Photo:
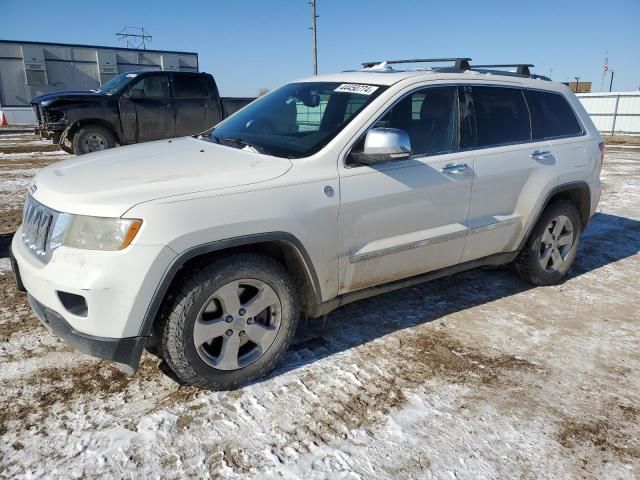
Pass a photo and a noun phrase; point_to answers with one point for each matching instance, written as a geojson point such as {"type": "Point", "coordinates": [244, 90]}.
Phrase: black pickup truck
{"type": "Point", "coordinates": [133, 107]}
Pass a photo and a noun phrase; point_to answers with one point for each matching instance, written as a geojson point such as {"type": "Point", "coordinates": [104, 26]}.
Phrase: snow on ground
{"type": "Point", "coordinates": [473, 376]}
{"type": "Point", "coordinates": [18, 164]}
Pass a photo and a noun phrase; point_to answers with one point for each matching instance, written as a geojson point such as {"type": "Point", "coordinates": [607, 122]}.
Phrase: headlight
{"type": "Point", "coordinates": [99, 233]}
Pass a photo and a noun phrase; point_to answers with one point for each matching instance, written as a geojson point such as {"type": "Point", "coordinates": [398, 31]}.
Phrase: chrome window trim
{"type": "Point", "coordinates": [583, 133]}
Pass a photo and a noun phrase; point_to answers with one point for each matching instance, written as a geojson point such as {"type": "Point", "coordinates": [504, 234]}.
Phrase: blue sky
{"type": "Point", "coordinates": [249, 44]}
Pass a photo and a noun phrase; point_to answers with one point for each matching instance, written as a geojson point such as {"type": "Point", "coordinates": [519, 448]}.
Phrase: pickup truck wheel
{"type": "Point", "coordinates": [230, 323]}
{"type": "Point", "coordinates": [92, 138]}
{"type": "Point", "coordinates": [551, 249]}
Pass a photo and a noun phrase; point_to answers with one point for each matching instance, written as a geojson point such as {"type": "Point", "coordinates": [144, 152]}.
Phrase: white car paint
{"type": "Point", "coordinates": [380, 224]}
{"type": "Point", "coordinates": [108, 183]}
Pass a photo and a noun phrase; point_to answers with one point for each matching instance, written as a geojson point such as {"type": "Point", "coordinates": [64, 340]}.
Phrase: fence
{"type": "Point", "coordinates": [615, 112]}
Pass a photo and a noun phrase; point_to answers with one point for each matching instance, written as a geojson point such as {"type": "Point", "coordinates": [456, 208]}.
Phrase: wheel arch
{"type": "Point", "coordinates": [74, 127]}
{"type": "Point", "coordinates": [282, 246]}
{"type": "Point", "coordinates": [579, 193]}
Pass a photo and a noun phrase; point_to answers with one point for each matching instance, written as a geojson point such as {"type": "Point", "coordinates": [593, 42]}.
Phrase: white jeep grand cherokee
{"type": "Point", "coordinates": [328, 190]}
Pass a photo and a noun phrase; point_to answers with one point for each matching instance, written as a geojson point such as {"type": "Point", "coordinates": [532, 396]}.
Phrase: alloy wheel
{"type": "Point", "coordinates": [556, 243]}
{"type": "Point", "coordinates": [237, 324]}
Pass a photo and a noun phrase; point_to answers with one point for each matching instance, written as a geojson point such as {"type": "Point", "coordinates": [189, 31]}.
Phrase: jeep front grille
{"type": "Point", "coordinates": [39, 225]}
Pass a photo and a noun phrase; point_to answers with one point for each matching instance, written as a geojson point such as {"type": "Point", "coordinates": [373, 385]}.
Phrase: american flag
{"type": "Point", "coordinates": [606, 66]}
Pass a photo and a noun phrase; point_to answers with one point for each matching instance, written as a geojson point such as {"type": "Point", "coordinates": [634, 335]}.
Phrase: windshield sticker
{"type": "Point", "coordinates": [356, 88]}
{"type": "Point", "coordinates": [132, 75]}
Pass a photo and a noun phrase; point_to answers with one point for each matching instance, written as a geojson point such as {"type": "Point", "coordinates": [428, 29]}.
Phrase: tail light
{"type": "Point", "coordinates": [603, 150]}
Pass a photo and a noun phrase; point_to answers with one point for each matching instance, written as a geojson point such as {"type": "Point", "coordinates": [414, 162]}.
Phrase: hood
{"type": "Point", "coordinates": [72, 96]}
{"type": "Point", "coordinates": [110, 182]}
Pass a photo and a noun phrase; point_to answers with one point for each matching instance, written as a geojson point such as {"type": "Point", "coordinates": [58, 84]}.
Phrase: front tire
{"type": "Point", "coordinates": [551, 249]}
{"type": "Point", "coordinates": [92, 138]}
{"type": "Point", "coordinates": [230, 322]}
{"type": "Point", "coordinates": [64, 148]}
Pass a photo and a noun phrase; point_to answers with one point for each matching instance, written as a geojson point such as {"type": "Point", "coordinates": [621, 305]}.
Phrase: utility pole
{"type": "Point", "coordinates": [315, 36]}
{"type": "Point", "coordinates": [577, 80]}
{"type": "Point", "coordinates": [611, 82]}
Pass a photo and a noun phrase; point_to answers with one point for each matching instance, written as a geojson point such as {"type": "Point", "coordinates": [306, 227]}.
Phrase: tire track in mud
{"type": "Point", "coordinates": [9, 222]}
{"type": "Point", "coordinates": [27, 147]}
{"type": "Point", "coordinates": [16, 319]}
{"type": "Point", "coordinates": [29, 401]}
{"type": "Point", "coordinates": [384, 372]}
{"type": "Point", "coordinates": [591, 439]}
{"type": "Point", "coordinates": [15, 312]}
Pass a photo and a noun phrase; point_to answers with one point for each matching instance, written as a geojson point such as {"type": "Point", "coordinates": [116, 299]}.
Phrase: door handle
{"type": "Point", "coordinates": [460, 168]}
{"type": "Point", "coordinates": [540, 154]}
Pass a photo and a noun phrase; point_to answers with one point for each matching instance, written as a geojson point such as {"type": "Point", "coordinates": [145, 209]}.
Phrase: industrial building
{"type": "Point", "coordinates": [29, 69]}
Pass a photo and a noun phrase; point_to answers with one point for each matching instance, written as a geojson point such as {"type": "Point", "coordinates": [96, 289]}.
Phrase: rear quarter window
{"type": "Point", "coordinates": [551, 115]}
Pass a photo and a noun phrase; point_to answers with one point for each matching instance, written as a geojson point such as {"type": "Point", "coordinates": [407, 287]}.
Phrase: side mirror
{"type": "Point", "coordinates": [384, 145]}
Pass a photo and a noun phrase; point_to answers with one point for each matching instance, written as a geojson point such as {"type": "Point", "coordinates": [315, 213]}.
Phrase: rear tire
{"type": "Point", "coordinates": [230, 322]}
{"type": "Point", "coordinates": [92, 138]}
{"type": "Point", "coordinates": [552, 246]}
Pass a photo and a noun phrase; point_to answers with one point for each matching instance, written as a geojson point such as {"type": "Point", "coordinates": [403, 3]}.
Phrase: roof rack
{"type": "Point", "coordinates": [461, 63]}
{"type": "Point", "coordinates": [521, 68]}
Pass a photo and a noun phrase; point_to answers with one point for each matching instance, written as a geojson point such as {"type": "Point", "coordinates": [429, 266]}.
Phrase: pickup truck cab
{"type": "Point", "coordinates": [206, 250]}
{"type": "Point", "coordinates": [133, 107]}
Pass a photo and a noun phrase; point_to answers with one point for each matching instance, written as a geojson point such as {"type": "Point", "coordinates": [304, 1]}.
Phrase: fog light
{"type": "Point", "coordinates": [75, 304]}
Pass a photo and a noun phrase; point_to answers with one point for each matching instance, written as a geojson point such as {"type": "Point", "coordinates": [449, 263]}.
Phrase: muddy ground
{"type": "Point", "coordinates": [21, 156]}
{"type": "Point", "coordinates": [473, 376]}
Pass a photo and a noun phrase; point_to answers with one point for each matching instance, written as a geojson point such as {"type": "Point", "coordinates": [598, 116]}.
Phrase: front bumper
{"type": "Point", "coordinates": [50, 134]}
{"type": "Point", "coordinates": [124, 351]}
{"type": "Point", "coordinates": [117, 288]}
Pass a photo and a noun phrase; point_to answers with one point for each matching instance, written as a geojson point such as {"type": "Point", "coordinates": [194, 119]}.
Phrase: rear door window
{"type": "Point", "coordinates": [190, 86]}
{"type": "Point", "coordinates": [501, 116]}
{"type": "Point", "coordinates": [551, 115]}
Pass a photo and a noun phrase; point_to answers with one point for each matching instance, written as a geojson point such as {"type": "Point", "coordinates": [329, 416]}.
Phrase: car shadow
{"type": "Point", "coordinates": [608, 239]}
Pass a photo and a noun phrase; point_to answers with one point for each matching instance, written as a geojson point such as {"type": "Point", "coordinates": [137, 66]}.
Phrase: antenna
{"type": "Point", "coordinates": [135, 37]}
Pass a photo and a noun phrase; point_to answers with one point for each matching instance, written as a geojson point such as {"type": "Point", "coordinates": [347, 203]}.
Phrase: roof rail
{"type": "Point", "coordinates": [461, 63]}
{"type": "Point", "coordinates": [521, 68]}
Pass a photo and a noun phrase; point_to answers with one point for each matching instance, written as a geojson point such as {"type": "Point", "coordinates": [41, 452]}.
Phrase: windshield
{"type": "Point", "coordinates": [296, 120]}
{"type": "Point", "coordinates": [116, 83]}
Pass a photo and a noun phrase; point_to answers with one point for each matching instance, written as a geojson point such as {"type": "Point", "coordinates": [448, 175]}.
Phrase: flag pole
{"type": "Point", "coordinates": [605, 70]}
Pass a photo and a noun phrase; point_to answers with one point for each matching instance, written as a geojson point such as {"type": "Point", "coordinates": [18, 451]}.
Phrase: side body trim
{"type": "Point", "coordinates": [406, 246]}
{"type": "Point", "coordinates": [431, 241]}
